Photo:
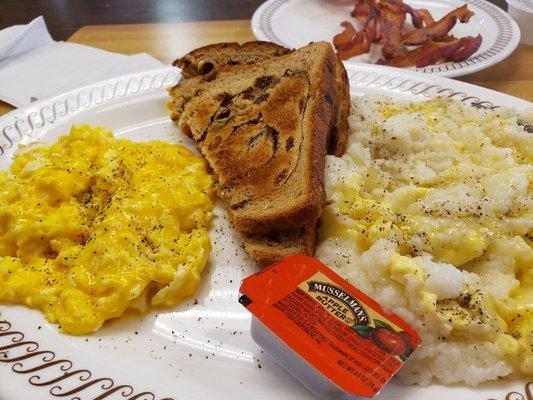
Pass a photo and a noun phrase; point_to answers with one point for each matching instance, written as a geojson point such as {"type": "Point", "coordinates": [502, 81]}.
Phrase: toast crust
{"type": "Point", "coordinates": [268, 250]}
{"type": "Point", "coordinates": [205, 60]}
{"type": "Point", "coordinates": [339, 134]}
{"type": "Point", "coordinates": [226, 55]}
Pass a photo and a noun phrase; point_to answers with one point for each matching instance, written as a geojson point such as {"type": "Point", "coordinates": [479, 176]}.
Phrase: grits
{"type": "Point", "coordinates": [432, 215]}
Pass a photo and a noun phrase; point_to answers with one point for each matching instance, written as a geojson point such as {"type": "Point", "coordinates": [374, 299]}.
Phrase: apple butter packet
{"type": "Point", "coordinates": [334, 339]}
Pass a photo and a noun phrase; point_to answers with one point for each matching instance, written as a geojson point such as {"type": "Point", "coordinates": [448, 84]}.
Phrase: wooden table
{"type": "Point", "coordinates": [167, 41]}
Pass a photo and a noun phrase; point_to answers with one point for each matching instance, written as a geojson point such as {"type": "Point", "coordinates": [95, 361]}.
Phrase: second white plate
{"type": "Point", "coordinates": [295, 23]}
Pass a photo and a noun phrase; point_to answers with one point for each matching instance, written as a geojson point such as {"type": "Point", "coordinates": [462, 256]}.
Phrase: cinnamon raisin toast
{"type": "Point", "coordinates": [263, 127]}
{"type": "Point", "coordinates": [210, 59]}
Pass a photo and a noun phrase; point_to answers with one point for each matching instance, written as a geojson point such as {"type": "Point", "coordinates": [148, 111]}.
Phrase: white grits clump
{"type": "Point", "coordinates": [431, 214]}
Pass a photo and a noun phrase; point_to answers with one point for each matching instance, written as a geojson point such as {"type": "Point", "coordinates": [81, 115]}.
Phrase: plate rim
{"type": "Point", "coordinates": [28, 120]}
{"type": "Point", "coordinates": [38, 116]}
{"type": "Point", "coordinates": [507, 39]}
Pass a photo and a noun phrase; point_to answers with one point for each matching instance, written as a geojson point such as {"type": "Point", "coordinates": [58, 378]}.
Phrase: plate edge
{"type": "Point", "coordinates": [263, 31]}
{"type": "Point", "coordinates": [23, 122]}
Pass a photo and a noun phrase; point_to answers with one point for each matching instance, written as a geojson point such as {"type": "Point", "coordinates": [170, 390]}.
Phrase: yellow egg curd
{"type": "Point", "coordinates": [93, 225]}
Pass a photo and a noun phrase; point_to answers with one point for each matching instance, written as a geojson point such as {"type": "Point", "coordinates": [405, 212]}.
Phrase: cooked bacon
{"type": "Point", "coordinates": [416, 17]}
{"type": "Point", "coordinates": [457, 50]}
{"type": "Point", "coordinates": [384, 22]}
{"type": "Point", "coordinates": [392, 20]}
{"type": "Point", "coordinates": [406, 30]}
{"type": "Point", "coordinates": [433, 52]}
{"type": "Point", "coordinates": [362, 10]}
{"type": "Point", "coordinates": [405, 60]}
{"type": "Point", "coordinates": [466, 47]}
{"type": "Point", "coordinates": [346, 36]}
{"type": "Point", "coordinates": [360, 42]}
{"type": "Point", "coordinates": [438, 29]}
{"type": "Point", "coordinates": [431, 32]}
{"type": "Point", "coordinates": [462, 13]}
{"type": "Point", "coordinates": [427, 18]}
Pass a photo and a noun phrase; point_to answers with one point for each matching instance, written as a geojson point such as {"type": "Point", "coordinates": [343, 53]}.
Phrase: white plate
{"type": "Point", "coordinates": [202, 349]}
{"type": "Point", "coordinates": [295, 23]}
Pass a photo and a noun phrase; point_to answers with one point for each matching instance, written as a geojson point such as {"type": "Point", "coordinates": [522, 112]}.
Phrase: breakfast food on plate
{"type": "Point", "coordinates": [210, 59]}
{"type": "Point", "coordinates": [432, 216]}
{"type": "Point", "coordinates": [264, 129]}
{"type": "Point", "coordinates": [384, 23]}
{"type": "Point", "coordinates": [93, 225]}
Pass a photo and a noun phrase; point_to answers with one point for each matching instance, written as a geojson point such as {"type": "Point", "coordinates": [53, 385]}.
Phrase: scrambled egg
{"type": "Point", "coordinates": [443, 185]}
{"type": "Point", "coordinates": [93, 225]}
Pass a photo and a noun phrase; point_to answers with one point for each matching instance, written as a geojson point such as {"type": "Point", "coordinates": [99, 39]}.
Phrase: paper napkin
{"type": "Point", "coordinates": [34, 66]}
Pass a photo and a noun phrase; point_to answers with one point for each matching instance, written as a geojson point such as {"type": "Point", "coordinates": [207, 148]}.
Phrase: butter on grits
{"type": "Point", "coordinates": [93, 225]}
{"type": "Point", "coordinates": [432, 215]}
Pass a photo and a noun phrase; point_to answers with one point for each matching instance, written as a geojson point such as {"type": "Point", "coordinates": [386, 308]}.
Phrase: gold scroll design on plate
{"type": "Point", "coordinates": [527, 395]}
{"type": "Point", "coordinates": [47, 370]}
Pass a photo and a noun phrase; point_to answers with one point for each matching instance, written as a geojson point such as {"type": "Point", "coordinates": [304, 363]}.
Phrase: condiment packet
{"type": "Point", "coordinates": [334, 339]}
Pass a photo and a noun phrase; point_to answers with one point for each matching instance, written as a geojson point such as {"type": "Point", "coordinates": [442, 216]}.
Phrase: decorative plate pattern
{"type": "Point", "coordinates": [415, 87]}
{"type": "Point", "coordinates": [25, 357]}
{"type": "Point", "coordinates": [527, 394]}
{"type": "Point", "coordinates": [505, 40]}
{"type": "Point", "coordinates": [44, 364]}
{"type": "Point", "coordinates": [18, 124]}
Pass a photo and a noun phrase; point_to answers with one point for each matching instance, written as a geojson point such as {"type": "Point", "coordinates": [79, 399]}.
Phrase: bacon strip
{"type": "Point", "coordinates": [362, 10]}
{"type": "Point", "coordinates": [392, 20]}
{"type": "Point", "coordinates": [433, 52]}
{"type": "Point", "coordinates": [427, 18]}
{"type": "Point", "coordinates": [457, 50]}
{"type": "Point", "coordinates": [432, 32]}
{"type": "Point", "coordinates": [360, 41]}
{"type": "Point", "coordinates": [346, 36]}
{"type": "Point", "coordinates": [416, 17]}
{"type": "Point", "coordinates": [462, 13]}
{"type": "Point", "coordinates": [466, 47]}
{"type": "Point", "coordinates": [384, 22]}
{"type": "Point", "coordinates": [438, 29]}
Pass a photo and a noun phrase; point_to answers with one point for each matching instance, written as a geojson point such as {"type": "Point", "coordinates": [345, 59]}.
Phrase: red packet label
{"type": "Point", "coordinates": [340, 331]}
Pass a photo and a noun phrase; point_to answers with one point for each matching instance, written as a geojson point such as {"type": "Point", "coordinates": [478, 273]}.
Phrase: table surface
{"type": "Point", "coordinates": [167, 41]}
{"type": "Point", "coordinates": [63, 18]}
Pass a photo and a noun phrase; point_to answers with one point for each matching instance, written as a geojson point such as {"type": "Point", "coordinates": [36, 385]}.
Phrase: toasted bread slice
{"type": "Point", "coordinates": [266, 250]}
{"type": "Point", "coordinates": [268, 238]}
{"type": "Point", "coordinates": [263, 128]}
{"type": "Point", "coordinates": [212, 58]}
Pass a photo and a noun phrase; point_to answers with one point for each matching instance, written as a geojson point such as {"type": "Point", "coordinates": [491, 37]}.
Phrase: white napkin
{"type": "Point", "coordinates": [20, 38]}
{"type": "Point", "coordinates": [34, 66]}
